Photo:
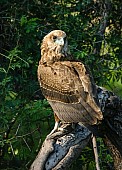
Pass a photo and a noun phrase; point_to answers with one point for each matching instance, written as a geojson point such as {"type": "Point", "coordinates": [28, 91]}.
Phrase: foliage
{"type": "Point", "coordinates": [93, 29]}
{"type": "Point", "coordinates": [86, 161]}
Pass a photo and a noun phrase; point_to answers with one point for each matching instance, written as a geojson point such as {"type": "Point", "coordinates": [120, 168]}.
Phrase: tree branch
{"type": "Point", "coordinates": [61, 152]}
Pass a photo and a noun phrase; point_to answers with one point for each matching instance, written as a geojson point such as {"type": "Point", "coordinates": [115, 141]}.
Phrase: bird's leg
{"type": "Point", "coordinates": [62, 126]}
{"type": "Point", "coordinates": [56, 126]}
{"type": "Point", "coordinates": [65, 127]}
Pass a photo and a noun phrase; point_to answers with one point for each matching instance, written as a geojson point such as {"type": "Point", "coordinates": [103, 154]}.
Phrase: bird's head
{"type": "Point", "coordinates": [54, 47]}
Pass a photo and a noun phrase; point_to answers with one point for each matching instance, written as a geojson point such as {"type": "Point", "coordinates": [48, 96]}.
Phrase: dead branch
{"type": "Point", "coordinates": [95, 152]}
{"type": "Point", "coordinates": [61, 152]}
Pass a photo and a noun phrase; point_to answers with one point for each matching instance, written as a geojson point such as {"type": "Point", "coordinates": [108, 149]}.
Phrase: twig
{"type": "Point", "coordinates": [95, 152]}
{"type": "Point", "coordinates": [12, 149]}
{"type": "Point", "coordinates": [27, 134]}
{"type": "Point", "coordinates": [26, 144]}
{"type": "Point", "coordinates": [17, 129]}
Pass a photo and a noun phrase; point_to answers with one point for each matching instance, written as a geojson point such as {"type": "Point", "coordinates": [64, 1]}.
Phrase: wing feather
{"type": "Point", "coordinates": [61, 78]}
{"type": "Point", "coordinates": [70, 90]}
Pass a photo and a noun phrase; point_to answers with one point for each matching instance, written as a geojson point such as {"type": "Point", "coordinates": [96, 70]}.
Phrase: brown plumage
{"type": "Point", "coordinates": [67, 84]}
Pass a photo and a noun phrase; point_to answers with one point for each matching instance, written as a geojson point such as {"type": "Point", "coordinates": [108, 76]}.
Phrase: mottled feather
{"type": "Point", "coordinates": [67, 85]}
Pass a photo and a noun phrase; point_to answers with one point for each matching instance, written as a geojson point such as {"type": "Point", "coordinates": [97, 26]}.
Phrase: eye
{"type": "Point", "coordinates": [54, 37]}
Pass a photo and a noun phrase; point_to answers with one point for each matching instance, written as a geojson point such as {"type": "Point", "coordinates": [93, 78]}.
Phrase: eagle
{"type": "Point", "coordinates": [67, 84]}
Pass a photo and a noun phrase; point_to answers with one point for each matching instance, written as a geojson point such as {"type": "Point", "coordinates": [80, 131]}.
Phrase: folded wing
{"type": "Point", "coordinates": [70, 91]}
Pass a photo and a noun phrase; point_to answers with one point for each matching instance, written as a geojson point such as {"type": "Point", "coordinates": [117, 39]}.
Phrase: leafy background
{"type": "Point", "coordinates": [94, 34]}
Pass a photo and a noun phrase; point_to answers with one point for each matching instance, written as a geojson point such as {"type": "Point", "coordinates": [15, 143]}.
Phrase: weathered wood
{"type": "Point", "coordinates": [111, 126]}
{"type": "Point", "coordinates": [59, 152]}
{"type": "Point", "coordinates": [117, 157]}
{"type": "Point", "coordinates": [44, 152]}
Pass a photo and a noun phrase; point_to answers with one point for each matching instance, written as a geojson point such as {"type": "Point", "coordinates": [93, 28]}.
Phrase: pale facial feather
{"type": "Point", "coordinates": [59, 41]}
{"type": "Point", "coordinates": [54, 46]}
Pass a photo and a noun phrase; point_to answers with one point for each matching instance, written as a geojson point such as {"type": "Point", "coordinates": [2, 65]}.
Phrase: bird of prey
{"type": "Point", "coordinates": [67, 84]}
